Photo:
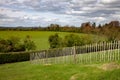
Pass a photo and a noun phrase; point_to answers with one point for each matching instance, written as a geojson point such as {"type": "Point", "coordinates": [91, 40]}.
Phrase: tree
{"type": "Point", "coordinates": [86, 27]}
{"type": "Point", "coordinates": [55, 41]}
{"type": "Point", "coordinates": [72, 40]}
{"type": "Point", "coordinates": [94, 25]}
{"type": "Point", "coordinates": [29, 44]}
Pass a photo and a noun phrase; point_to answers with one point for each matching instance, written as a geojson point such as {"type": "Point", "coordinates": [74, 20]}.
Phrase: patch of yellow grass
{"type": "Point", "coordinates": [110, 66]}
{"type": "Point", "coordinates": [74, 77]}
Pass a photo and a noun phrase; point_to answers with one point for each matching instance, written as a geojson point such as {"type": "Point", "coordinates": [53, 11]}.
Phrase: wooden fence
{"type": "Point", "coordinates": [92, 53]}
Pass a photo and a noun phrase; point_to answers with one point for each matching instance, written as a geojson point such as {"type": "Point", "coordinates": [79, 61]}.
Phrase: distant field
{"type": "Point", "coordinates": [39, 37]}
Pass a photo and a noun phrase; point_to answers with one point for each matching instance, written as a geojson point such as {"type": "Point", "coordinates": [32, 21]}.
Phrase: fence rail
{"type": "Point", "coordinates": [92, 53]}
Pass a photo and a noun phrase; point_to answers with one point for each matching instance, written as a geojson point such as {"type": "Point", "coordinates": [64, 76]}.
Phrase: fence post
{"type": "Point", "coordinates": [32, 56]}
{"type": "Point", "coordinates": [90, 53]}
{"type": "Point", "coordinates": [74, 54]}
{"type": "Point", "coordinates": [112, 56]}
{"type": "Point", "coordinates": [109, 51]}
{"type": "Point", "coordinates": [115, 45]}
{"type": "Point", "coordinates": [95, 50]}
{"type": "Point", "coordinates": [118, 50]}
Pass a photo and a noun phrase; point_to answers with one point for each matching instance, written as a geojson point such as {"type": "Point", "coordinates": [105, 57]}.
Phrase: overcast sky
{"type": "Point", "coordinates": [63, 12]}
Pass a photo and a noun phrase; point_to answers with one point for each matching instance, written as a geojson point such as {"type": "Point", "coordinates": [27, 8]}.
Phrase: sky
{"type": "Point", "coordinates": [63, 12]}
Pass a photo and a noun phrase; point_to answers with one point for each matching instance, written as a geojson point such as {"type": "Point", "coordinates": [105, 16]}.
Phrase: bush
{"type": "Point", "coordinates": [29, 44]}
{"type": "Point", "coordinates": [69, 40]}
{"type": "Point", "coordinates": [72, 40]}
{"type": "Point", "coordinates": [14, 44]}
{"type": "Point", "coordinates": [55, 41]}
{"type": "Point", "coordinates": [14, 57]}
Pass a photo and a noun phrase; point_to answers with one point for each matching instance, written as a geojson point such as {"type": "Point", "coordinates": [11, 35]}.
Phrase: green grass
{"type": "Point", "coordinates": [39, 37]}
{"type": "Point", "coordinates": [89, 71]}
{"type": "Point", "coordinates": [27, 71]}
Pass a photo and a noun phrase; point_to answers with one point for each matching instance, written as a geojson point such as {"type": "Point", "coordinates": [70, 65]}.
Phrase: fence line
{"type": "Point", "coordinates": [92, 53]}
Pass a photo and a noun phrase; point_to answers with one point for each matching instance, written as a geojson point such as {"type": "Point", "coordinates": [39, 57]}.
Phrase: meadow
{"type": "Point", "coordinates": [40, 37]}
{"type": "Point", "coordinates": [28, 71]}
{"type": "Point", "coordinates": [85, 71]}
{"type": "Point", "coordinates": [103, 70]}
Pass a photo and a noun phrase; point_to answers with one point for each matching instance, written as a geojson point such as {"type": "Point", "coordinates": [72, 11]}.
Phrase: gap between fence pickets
{"type": "Point", "coordinates": [86, 54]}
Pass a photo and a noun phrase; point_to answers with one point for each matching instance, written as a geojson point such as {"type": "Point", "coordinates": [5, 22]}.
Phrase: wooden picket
{"type": "Point", "coordinates": [91, 53]}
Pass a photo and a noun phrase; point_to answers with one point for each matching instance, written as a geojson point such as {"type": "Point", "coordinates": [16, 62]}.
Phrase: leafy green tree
{"type": "Point", "coordinates": [72, 40]}
{"type": "Point", "coordinates": [29, 44]}
{"type": "Point", "coordinates": [55, 41]}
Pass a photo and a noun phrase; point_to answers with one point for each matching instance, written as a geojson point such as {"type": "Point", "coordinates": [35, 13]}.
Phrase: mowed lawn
{"type": "Point", "coordinates": [28, 71]}
{"type": "Point", "coordinates": [32, 71]}
{"type": "Point", "coordinates": [39, 37]}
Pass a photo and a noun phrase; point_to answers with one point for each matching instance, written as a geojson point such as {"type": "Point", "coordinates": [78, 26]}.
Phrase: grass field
{"type": "Point", "coordinates": [39, 37]}
{"type": "Point", "coordinates": [90, 71]}
{"type": "Point", "coordinates": [27, 71]}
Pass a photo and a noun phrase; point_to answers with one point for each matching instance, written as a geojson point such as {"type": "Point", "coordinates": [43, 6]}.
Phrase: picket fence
{"type": "Point", "coordinates": [91, 53]}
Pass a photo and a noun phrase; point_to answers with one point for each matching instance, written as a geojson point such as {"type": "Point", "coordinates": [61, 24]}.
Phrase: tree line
{"type": "Point", "coordinates": [110, 30]}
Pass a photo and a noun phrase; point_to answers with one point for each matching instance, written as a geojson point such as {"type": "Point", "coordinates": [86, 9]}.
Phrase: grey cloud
{"type": "Point", "coordinates": [102, 13]}
{"type": "Point", "coordinates": [110, 3]}
{"type": "Point", "coordinates": [47, 5]}
{"type": "Point", "coordinates": [88, 9]}
{"type": "Point", "coordinates": [61, 6]}
{"type": "Point", "coordinates": [3, 16]}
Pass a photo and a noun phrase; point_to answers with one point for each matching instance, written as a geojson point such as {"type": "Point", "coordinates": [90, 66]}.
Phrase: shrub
{"type": "Point", "coordinates": [29, 44]}
{"type": "Point", "coordinates": [55, 41]}
{"type": "Point", "coordinates": [69, 40]}
{"type": "Point", "coordinates": [72, 40]}
{"type": "Point", "coordinates": [14, 57]}
{"type": "Point", "coordinates": [14, 44]}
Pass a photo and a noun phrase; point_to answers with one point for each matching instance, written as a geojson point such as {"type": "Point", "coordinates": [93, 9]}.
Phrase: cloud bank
{"type": "Point", "coordinates": [63, 12]}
